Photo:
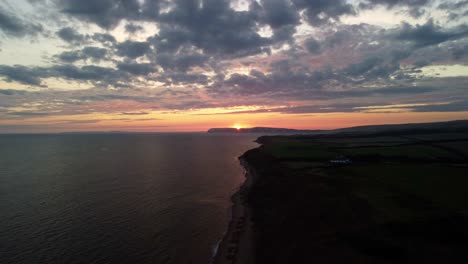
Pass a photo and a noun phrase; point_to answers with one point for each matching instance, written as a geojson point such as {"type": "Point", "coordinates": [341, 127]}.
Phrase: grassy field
{"type": "Point", "coordinates": [365, 148]}
{"type": "Point", "coordinates": [402, 199]}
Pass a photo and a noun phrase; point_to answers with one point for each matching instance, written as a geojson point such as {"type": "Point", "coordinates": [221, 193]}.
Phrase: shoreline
{"type": "Point", "coordinates": [237, 244]}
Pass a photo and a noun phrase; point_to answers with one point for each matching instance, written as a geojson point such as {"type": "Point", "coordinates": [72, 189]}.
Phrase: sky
{"type": "Point", "coordinates": [189, 65]}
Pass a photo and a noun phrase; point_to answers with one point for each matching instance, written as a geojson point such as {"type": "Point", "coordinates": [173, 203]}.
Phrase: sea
{"type": "Point", "coordinates": [117, 197]}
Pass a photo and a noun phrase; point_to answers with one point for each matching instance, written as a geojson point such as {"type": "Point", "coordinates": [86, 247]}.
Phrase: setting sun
{"type": "Point", "coordinates": [236, 126]}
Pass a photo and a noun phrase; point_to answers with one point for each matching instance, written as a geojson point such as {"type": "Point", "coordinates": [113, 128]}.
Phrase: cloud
{"type": "Point", "coordinates": [11, 92]}
{"type": "Point", "coordinates": [34, 75]}
{"type": "Point", "coordinates": [72, 36]}
{"type": "Point", "coordinates": [134, 113]}
{"type": "Point", "coordinates": [460, 52]}
{"type": "Point", "coordinates": [104, 38]}
{"type": "Point", "coordinates": [13, 26]}
{"type": "Point", "coordinates": [88, 53]}
{"type": "Point", "coordinates": [133, 28]}
{"type": "Point", "coordinates": [393, 3]}
{"type": "Point", "coordinates": [428, 34]}
{"type": "Point", "coordinates": [86, 73]}
{"type": "Point", "coordinates": [107, 97]}
{"type": "Point", "coordinates": [283, 80]}
{"type": "Point", "coordinates": [279, 13]}
{"type": "Point", "coordinates": [177, 78]}
{"type": "Point", "coordinates": [28, 113]}
{"type": "Point", "coordinates": [191, 54]}
{"type": "Point", "coordinates": [453, 5]}
{"type": "Point", "coordinates": [319, 12]}
{"type": "Point", "coordinates": [456, 106]}
{"type": "Point", "coordinates": [137, 68]}
{"type": "Point", "coordinates": [313, 46]}
{"type": "Point", "coordinates": [132, 49]}
{"type": "Point", "coordinates": [22, 74]}
{"type": "Point", "coordinates": [214, 27]}
{"type": "Point", "coordinates": [181, 61]}
{"type": "Point", "coordinates": [106, 13]}
{"type": "Point", "coordinates": [416, 7]}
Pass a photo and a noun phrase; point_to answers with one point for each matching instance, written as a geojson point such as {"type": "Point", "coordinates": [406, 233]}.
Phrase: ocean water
{"type": "Point", "coordinates": [116, 198]}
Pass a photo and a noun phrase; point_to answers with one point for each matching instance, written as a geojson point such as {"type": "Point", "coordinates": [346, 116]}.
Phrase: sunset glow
{"type": "Point", "coordinates": [153, 67]}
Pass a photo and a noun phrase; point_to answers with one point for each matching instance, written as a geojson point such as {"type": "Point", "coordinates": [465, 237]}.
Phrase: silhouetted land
{"type": "Point", "coordinates": [262, 130]}
{"type": "Point", "coordinates": [402, 199]}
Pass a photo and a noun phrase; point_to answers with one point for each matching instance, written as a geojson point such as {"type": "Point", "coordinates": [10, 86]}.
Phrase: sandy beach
{"type": "Point", "coordinates": [237, 245]}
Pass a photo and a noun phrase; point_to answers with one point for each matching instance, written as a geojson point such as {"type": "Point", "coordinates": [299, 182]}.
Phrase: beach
{"type": "Point", "coordinates": [237, 245]}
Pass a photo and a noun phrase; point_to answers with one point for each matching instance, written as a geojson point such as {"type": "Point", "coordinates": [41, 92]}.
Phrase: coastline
{"type": "Point", "coordinates": [237, 245]}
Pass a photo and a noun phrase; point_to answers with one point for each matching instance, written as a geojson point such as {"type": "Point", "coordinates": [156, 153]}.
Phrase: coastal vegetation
{"type": "Point", "coordinates": [401, 198]}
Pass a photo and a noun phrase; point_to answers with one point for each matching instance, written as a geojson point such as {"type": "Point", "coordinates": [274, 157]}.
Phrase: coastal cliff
{"type": "Point", "coordinates": [399, 199]}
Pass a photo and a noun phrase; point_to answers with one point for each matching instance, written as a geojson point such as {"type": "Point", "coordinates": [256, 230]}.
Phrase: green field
{"type": "Point", "coordinates": [402, 199]}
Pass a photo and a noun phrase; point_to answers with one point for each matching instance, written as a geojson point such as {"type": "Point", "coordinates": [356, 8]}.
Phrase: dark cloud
{"type": "Point", "coordinates": [460, 52]}
{"type": "Point", "coordinates": [416, 7]}
{"type": "Point", "coordinates": [34, 75]}
{"type": "Point", "coordinates": [448, 5]}
{"type": "Point", "coordinates": [108, 97]}
{"type": "Point", "coordinates": [363, 67]}
{"type": "Point", "coordinates": [100, 76]}
{"type": "Point", "coordinates": [213, 27]}
{"type": "Point", "coordinates": [72, 36]}
{"type": "Point", "coordinates": [137, 68]}
{"type": "Point", "coordinates": [283, 80]}
{"type": "Point", "coordinates": [319, 12]}
{"type": "Point", "coordinates": [190, 57]}
{"type": "Point", "coordinates": [181, 61]}
{"type": "Point", "coordinates": [133, 28]}
{"type": "Point", "coordinates": [22, 74]}
{"type": "Point", "coordinates": [456, 106]}
{"type": "Point", "coordinates": [188, 105]}
{"type": "Point", "coordinates": [331, 107]}
{"type": "Point", "coordinates": [85, 73]}
{"type": "Point", "coordinates": [94, 53]}
{"type": "Point", "coordinates": [374, 67]}
{"type": "Point", "coordinates": [106, 39]}
{"type": "Point", "coordinates": [177, 78]}
{"type": "Point", "coordinates": [88, 53]}
{"type": "Point", "coordinates": [428, 34]}
{"type": "Point", "coordinates": [11, 92]}
{"type": "Point", "coordinates": [279, 13]}
{"type": "Point", "coordinates": [313, 46]}
{"type": "Point", "coordinates": [108, 13]}
{"type": "Point", "coordinates": [134, 113]}
{"type": "Point", "coordinates": [13, 26]}
{"type": "Point", "coordinates": [28, 113]}
{"type": "Point", "coordinates": [454, 16]}
{"type": "Point", "coordinates": [70, 56]}
{"type": "Point", "coordinates": [210, 25]}
{"type": "Point", "coordinates": [417, 12]}
{"type": "Point", "coordinates": [393, 3]}
{"type": "Point", "coordinates": [132, 49]}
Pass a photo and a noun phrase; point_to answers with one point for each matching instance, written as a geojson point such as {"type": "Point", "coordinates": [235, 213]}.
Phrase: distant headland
{"type": "Point", "coordinates": [264, 130]}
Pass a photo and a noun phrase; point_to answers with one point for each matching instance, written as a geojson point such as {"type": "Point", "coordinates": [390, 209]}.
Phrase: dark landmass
{"type": "Point", "coordinates": [401, 198]}
{"type": "Point", "coordinates": [455, 125]}
{"type": "Point", "coordinates": [262, 130]}
{"type": "Point", "coordinates": [415, 127]}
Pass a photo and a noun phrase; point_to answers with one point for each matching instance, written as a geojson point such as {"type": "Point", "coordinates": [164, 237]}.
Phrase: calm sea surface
{"type": "Point", "coordinates": [116, 198]}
